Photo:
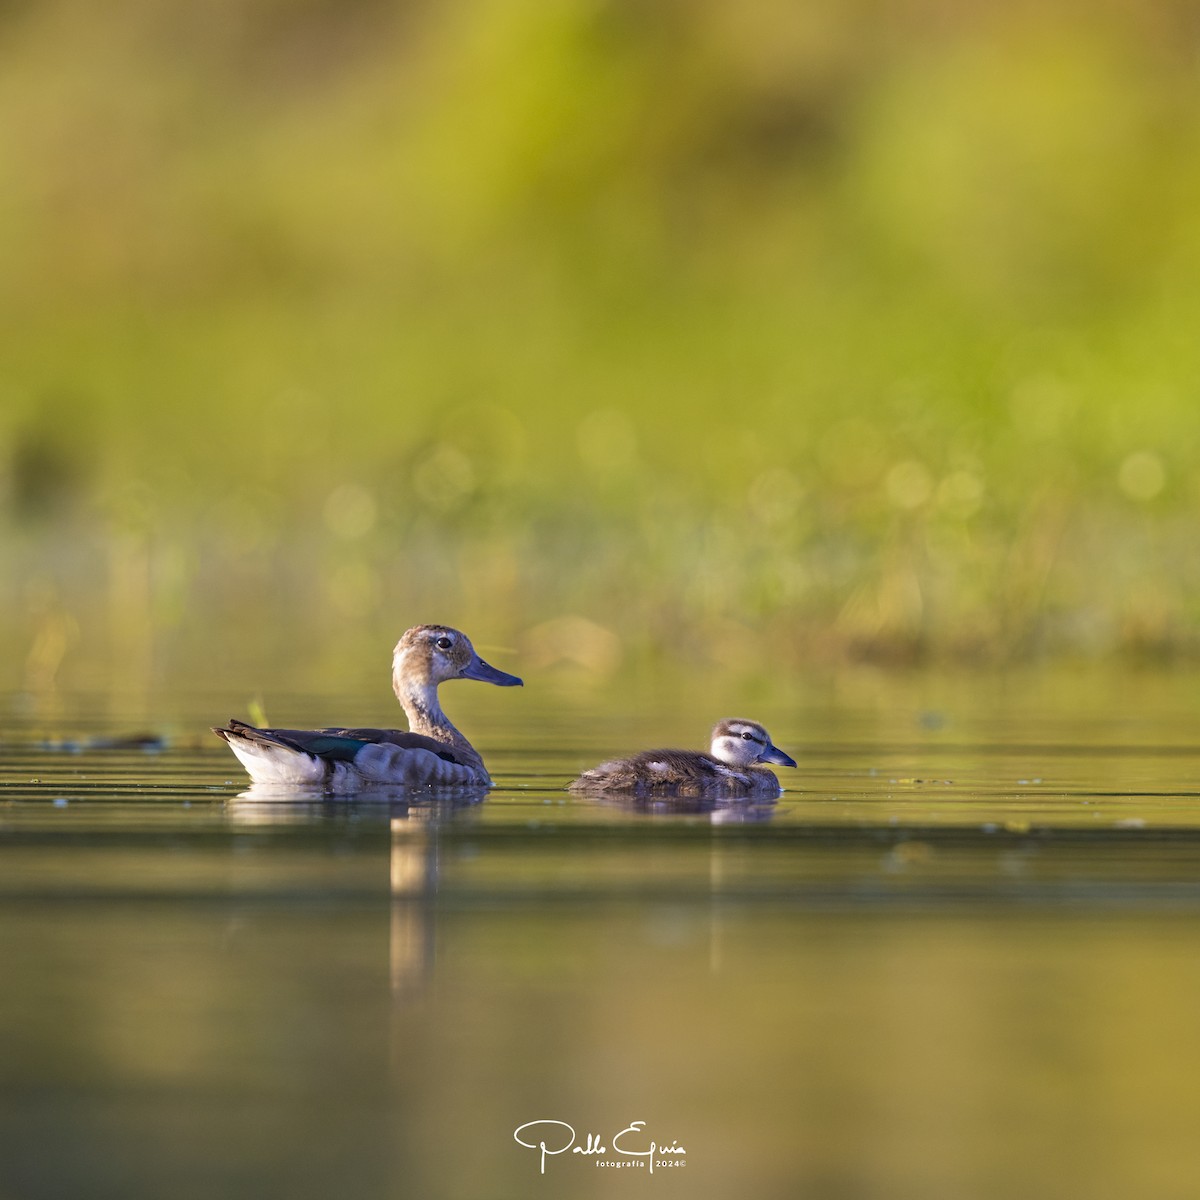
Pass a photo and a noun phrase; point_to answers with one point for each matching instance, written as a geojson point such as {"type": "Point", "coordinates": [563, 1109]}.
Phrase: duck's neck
{"type": "Point", "coordinates": [425, 716]}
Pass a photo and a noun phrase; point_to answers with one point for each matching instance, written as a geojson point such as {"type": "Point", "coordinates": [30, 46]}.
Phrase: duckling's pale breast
{"type": "Point", "coordinates": [677, 773]}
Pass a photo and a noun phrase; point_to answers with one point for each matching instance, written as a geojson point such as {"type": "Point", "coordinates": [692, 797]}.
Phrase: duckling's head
{"type": "Point", "coordinates": [430, 654]}
{"type": "Point", "coordinates": [744, 743]}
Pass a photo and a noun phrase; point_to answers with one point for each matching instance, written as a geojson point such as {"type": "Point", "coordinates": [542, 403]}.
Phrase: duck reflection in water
{"type": "Point", "coordinates": [287, 804]}
{"type": "Point", "coordinates": [719, 812]}
{"type": "Point", "coordinates": [414, 821]}
{"type": "Point", "coordinates": [732, 770]}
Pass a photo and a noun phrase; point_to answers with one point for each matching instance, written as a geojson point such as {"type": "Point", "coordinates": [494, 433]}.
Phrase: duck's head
{"type": "Point", "coordinates": [745, 743]}
{"type": "Point", "coordinates": [431, 654]}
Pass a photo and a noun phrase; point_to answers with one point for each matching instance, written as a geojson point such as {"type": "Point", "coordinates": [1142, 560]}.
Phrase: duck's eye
{"type": "Point", "coordinates": [749, 737]}
{"type": "Point", "coordinates": [443, 643]}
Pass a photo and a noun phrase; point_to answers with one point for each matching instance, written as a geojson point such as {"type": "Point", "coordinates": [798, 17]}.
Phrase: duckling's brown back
{"type": "Point", "coordinates": [676, 773]}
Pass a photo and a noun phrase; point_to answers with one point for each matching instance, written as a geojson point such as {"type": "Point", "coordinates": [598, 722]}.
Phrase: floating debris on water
{"type": "Point", "coordinates": [148, 743]}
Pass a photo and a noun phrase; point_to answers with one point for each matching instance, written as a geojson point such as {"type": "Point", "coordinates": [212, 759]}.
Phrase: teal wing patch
{"type": "Point", "coordinates": [398, 737]}
{"type": "Point", "coordinates": [331, 749]}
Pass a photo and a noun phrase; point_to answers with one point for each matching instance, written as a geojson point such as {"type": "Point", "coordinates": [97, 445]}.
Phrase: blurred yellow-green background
{"type": "Point", "coordinates": [616, 330]}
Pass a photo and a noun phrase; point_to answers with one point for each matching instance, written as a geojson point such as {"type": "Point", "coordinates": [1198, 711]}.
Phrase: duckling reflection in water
{"type": "Point", "coordinates": [431, 753]}
{"type": "Point", "coordinates": [732, 768]}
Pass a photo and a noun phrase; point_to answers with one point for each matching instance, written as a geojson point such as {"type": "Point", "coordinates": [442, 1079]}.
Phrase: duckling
{"type": "Point", "coordinates": [729, 769]}
{"type": "Point", "coordinates": [432, 753]}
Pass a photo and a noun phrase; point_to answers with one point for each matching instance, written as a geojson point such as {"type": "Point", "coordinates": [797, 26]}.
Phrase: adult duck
{"type": "Point", "coordinates": [430, 753]}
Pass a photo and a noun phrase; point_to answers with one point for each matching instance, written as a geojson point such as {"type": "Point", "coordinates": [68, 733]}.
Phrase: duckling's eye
{"type": "Point", "coordinates": [443, 643]}
{"type": "Point", "coordinates": [749, 737]}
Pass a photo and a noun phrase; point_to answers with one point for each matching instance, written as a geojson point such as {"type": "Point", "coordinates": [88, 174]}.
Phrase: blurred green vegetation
{"type": "Point", "coordinates": [768, 332]}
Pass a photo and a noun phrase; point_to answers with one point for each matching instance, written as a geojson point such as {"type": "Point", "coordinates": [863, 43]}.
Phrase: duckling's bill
{"type": "Point", "coordinates": [772, 754]}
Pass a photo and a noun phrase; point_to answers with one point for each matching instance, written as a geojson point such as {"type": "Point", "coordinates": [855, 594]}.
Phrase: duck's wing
{"type": "Point", "coordinates": [653, 773]}
{"type": "Point", "coordinates": [396, 737]}
{"type": "Point", "coordinates": [648, 771]}
{"type": "Point", "coordinates": [337, 745]}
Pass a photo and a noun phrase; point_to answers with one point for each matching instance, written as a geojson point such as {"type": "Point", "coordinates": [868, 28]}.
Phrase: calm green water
{"type": "Point", "coordinates": [959, 958]}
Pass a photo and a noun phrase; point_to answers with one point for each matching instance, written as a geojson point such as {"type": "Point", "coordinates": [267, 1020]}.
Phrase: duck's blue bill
{"type": "Point", "coordinates": [486, 673]}
{"type": "Point", "coordinates": [777, 756]}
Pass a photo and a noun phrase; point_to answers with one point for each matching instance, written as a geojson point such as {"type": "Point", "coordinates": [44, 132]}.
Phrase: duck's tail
{"type": "Point", "coordinates": [271, 757]}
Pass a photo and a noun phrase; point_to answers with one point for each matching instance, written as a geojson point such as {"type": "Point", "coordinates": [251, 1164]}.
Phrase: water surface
{"type": "Point", "coordinates": [959, 957]}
